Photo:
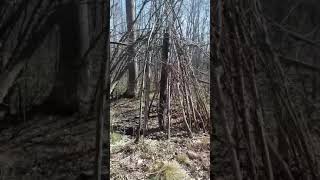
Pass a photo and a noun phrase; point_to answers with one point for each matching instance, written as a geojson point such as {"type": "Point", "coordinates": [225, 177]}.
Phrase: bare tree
{"type": "Point", "coordinates": [163, 80]}
{"type": "Point", "coordinates": [104, 95]}
{"type": "Point", "coordinates": [84, 82]}
{"type": "Point", "coordinates": [132, 63]}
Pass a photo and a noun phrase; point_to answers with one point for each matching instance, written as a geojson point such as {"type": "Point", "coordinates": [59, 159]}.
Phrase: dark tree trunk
{"type": "Point", "coordinates": [104, 90]}
{"type": "Point", "coordinates": [75, 80]}
{"type": "Point", "coordinates": [84, 75]}
{"type": "Point", "coordinates": [163, 81]}
{"type": "Point", "coordinates": [63, 96]}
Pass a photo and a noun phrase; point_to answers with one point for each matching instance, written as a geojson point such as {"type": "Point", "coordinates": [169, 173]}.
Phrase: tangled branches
{"type": "Point", "coordinates": [243, 51]}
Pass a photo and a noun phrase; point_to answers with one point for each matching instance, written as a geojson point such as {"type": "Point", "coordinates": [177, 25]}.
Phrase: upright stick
{"type": "Point", "coordinates": [104, 93]}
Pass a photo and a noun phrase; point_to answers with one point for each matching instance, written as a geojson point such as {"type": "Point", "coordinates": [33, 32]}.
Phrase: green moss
{"type": "Point", "coordinates": [115, 137]}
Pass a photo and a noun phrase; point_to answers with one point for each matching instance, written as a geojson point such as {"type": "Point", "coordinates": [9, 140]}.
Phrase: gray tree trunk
{"type": "Point", "coordinates": [132, 63]}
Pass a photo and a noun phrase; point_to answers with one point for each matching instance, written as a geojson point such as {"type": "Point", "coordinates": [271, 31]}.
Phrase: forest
{"type": "Point", "coordinates": [264, 85]}
{"type": "Point", "coordinates": [159, 89]}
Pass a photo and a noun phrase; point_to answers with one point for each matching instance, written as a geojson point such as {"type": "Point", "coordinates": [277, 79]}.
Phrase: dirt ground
{"type": "Point", "coordinates": [190, 156]}
{"type": "Point", "coordinates": [59, 148]}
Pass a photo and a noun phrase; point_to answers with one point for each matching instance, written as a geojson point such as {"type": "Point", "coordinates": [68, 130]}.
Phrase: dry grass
{"type": "Point", "coordinates": [183, 159]}
{"type": "Point", "coordinates": [169, 171]}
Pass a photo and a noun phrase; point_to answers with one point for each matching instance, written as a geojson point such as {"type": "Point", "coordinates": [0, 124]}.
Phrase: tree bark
{"type": "Point", "coordinates": [7, 79]}
{"type": "Point", "coordinates": [104, 95]}
{"type": "Point", "coordinates": [132, 63]}
{"type": "Point", "coordinates": [63, 96]}
{"type": "Point", "coordinates": [146, 95]}
{"type": "Point", "coordinates": [163, 81]}
{"type": "Point", "coordinates": [84, 75]}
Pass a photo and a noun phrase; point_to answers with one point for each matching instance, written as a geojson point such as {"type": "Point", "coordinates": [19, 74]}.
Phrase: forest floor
{"type": "Point", "coordinates": [153, 157]}
{"type": "Point", "coordinates": [59, 147]}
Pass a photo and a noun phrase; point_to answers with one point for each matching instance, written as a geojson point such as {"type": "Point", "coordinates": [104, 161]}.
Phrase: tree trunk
{"type": "Point", "coordinates": [84, 75]}
{"type": "Point", "coordinates": [163, 81]}
{"type": "Point", "coordinates": [63, 96]}
{"type": "Point", "coordinates": [132, 64]}
{"type": "Point", "coordinates": [75, 81]}
{"type": "Point", "coordinates": [104, 95]}
{"type": "Point", "coordinates": [147, 93]}
{"type": "Point", "coordinates": [7, 79]}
